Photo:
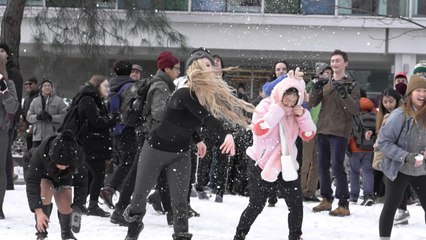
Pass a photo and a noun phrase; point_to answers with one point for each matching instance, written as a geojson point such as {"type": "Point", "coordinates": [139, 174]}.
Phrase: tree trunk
{"type": "Point", "coordinates": [11, 26]}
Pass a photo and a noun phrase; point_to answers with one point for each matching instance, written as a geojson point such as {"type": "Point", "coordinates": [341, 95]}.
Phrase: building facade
{"type": "Point", "coordinates": [381, 37]}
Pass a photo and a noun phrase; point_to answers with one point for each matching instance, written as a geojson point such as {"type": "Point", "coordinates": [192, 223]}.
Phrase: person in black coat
{"type": "Point", "coordinates": [50, 174]}
{"type": "Point", "coordinates": [95, 137]}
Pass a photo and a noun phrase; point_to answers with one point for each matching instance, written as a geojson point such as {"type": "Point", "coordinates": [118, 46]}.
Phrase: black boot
{"type": "Point", "coordinates": [47, 209]}
{"type": "Point", "coordinates": [117, 217]}
{"type": "Point", "coordinates": [95, 210]}
{"type": "Point", "coordinates": [155, 200]}
{"type": "Point", "coordinates": [182, 236]}
{"type": "Point", "coordinates": [65, 222]}
{"type": "Point", "coordinates": [135, 224]}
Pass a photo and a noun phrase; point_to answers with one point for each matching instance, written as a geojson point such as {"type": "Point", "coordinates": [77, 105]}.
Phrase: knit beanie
{"type": "Point", "coordinates": [420, 67]}
{"type": "Point", "coordinates": [46, 80]}
{"type": "Point", "coordinates": [5, 48]}
{"type": "Point", "coordinates": [137, 67]}
{"type": "Point", "coordinates": [320, 68]}
{"type": "Point", "coordinates": [63, 149]}
{"type": "Point", "coordinates": [415, 82]}
{"type": "Point", "coordinates": [166, 60]}
{"type": "Point", "coordinates": [199, 53]}
{"type": "Point", "coordinates": [122, 67]}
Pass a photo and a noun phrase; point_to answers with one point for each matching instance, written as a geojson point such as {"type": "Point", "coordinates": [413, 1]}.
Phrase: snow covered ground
{"type": "Point", "coordinates": [218, 222]}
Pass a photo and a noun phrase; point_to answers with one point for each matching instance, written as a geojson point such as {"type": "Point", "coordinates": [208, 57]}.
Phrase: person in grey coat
{"type": "Point", "coordinates": [402, 140]}
{"type": "Point", "coordinates": [46, 113]}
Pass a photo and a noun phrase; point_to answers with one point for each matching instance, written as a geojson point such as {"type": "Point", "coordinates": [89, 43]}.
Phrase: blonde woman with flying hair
{"type": "Point", "coordinates": [204, 100]}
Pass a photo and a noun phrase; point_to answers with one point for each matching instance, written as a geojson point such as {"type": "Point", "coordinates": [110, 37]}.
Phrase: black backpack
{"type": "Point", "coordinates": [133, 112]}
{"type": "Point", "coordinates": [364, 121]}
{"type": "Point", "coordinates": [71, 120]}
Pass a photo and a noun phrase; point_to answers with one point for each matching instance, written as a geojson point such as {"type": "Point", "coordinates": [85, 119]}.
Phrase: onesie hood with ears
{"type": "Point", "coordinates": [286, 83]}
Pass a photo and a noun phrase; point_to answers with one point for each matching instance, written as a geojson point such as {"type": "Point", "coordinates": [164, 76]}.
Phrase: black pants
{"type": "Point", "coordinates": [80, 183]}
{"type": "Point", "coordinates": [395, 191]}
{"type": "Point", "coordinates": [97, 176]}
{"type": "Point", "coordinates": [128, 185]}
{"type": "Point", "coordinates": [258, 189]}
{"type": "Point", "coordinates": [151, 162]}
{"type": "Point", "coordinates": [126, 147]}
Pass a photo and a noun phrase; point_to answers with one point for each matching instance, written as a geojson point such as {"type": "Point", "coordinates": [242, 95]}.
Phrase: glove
{"type": "Point", "coordinates": [3, 85]}
{"type": "Point", "coordinates": [320, 83]}
{"type": "Point", "coordinates": [276, 98]}
{"type": "Point", "coordinates": [40, 116]}
{"type": "Point", "coordinates": [47, 116]}
{"type": "Point", "coordinates": [340, 89]}
{"type": "Point", "coordinates": [115, 118]}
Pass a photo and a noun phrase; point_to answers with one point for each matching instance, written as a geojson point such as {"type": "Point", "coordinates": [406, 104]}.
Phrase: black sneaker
{"type": "Point", "coordinates": [134, 229]}
{"type": "Point", "coordinates": [117, 218]}
{"type": "Point", "coordinates": [311, 199]}
{"type": "Point", "coordinates": [368, 201]}
{"type": "Point", "coordinates": [76, 219]}
{"type": "Point", "coordinates": [192, 212]}
{"type": "Point", "coordinates": [97, 211]}
{"type": "Point", "coordinates": [155, 200]}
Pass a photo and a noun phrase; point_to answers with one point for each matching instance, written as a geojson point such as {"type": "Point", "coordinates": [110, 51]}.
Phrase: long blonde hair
{"type": "Point", "coordinates": [216, 95]}
{"type": "Point", "coordinates": [419, 116]}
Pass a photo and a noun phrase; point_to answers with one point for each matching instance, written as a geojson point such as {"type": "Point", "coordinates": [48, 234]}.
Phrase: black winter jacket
{"type": "Point", "coordinates": [40, 166]}
{"type": "Point", "coordinates": [96, 140]}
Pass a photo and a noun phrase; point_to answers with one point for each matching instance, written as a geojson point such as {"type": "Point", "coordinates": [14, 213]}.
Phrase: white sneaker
{"type": "Point", "coordinates": [401, 217]}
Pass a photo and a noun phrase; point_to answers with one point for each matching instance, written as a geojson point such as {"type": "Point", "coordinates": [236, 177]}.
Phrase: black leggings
{"type": "Point", "coordinates": [259, 189]}
{"type": "Point", "coordinates": [395, 191]}
{"type": "Point", "coordinates": [97, 172]}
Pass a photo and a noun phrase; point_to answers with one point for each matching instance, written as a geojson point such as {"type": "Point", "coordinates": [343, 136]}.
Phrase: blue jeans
{"type": "Point", "coordinates": [331, 153]}
{"type": "Point", "coordinates": [358, 161]}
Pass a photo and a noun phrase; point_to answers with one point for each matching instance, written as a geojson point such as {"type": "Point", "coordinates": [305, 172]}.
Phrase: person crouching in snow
{"type": "Point", "coordinates": [50, 174]}
{"type": "Point", "coordinates": [283, 106]}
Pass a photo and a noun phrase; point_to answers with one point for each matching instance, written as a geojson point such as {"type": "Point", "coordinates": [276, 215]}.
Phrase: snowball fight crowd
{"type": "Point", "coordinates": [163, 138]}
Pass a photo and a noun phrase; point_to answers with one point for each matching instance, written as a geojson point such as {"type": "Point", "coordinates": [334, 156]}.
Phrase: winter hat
{"type": "Point", "coordinates": [5, 48]}
{"type": "Point", "coordinates": [32, 79]}
{"type": "Point", "coordinates": [63, 149]}
{"type": "Point", "coordinates": [400, 74]}
{"type": "Point", "coordinates": [166, 60]}
{"type": "Point", "coordinates": [420, 67]}
{"type": "Point", "coordinates": [137, 67]}
{"type": "Point", "coordinates": [122, 67]}
{"type": "Point", "coordinates": [415, 82]}
{"type": "Point", "coordinates": [401, 88]}
{"type": "Point", "coordinates": [45, 80]}
{"type": "Point", "coordinates": [199, 53]}
{"type": "Point", "coordinates": [321, 67]}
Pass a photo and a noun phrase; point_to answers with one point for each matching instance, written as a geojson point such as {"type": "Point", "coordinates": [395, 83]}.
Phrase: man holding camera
{"type": "Point", "coordinates": [340, 102]}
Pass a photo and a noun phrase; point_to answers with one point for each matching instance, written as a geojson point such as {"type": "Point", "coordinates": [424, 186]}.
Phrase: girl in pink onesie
{"type": "Point", "coordinates": [284, 105]}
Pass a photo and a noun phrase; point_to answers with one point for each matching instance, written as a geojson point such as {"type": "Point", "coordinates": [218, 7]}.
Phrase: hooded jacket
{"type": "Point", "coordinates": [266, 148]}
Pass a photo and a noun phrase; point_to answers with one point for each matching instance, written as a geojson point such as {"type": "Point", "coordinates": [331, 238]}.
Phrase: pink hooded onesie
{"type": "Point", "coordinates": [266, 148]}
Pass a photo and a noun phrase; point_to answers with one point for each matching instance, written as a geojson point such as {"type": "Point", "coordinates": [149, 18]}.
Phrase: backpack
{"type": "Point", "coordinates": [114, 105]}
{"type": "Point", "coordinates": [71, 120]}
{"type": "Point", "coordinates": [133, 111]}
{"type": "Point", "coordinates": [364, 121]}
